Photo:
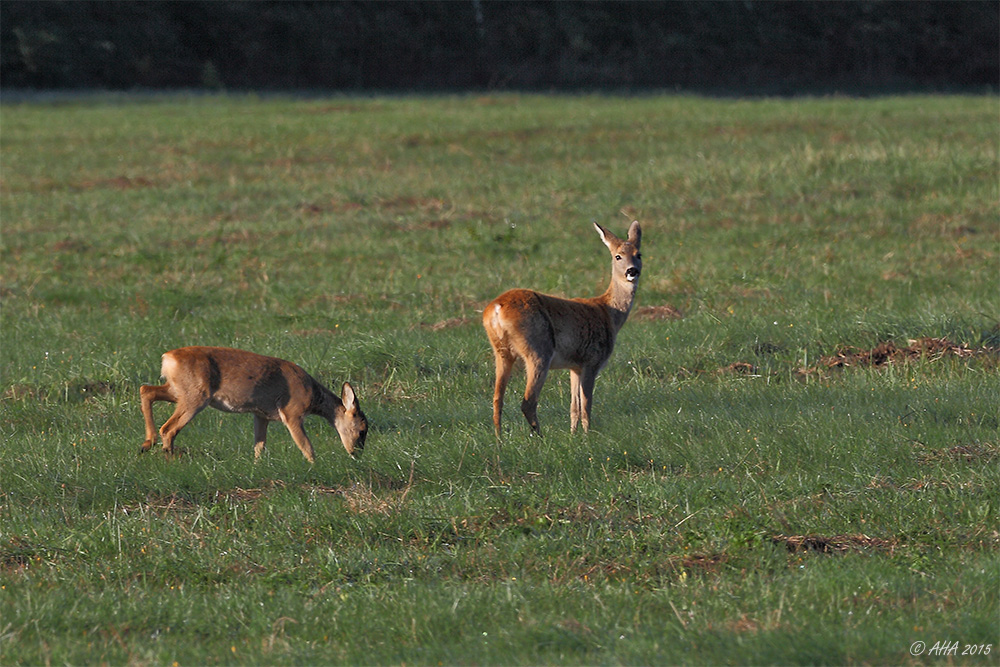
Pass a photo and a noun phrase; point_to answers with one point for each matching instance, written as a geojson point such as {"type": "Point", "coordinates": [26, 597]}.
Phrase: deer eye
{"type": "Point", "coordinates": [638, 255]}
{"type": "Point", "coordinates": [618, 257]}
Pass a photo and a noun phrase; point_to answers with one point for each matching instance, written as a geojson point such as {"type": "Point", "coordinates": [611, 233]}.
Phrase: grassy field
{"type": "Point", "coordinates": [757, 488]}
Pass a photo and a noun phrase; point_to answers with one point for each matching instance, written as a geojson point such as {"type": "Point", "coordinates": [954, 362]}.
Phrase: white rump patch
{"type": "Point", "coordinates": [167, 366]}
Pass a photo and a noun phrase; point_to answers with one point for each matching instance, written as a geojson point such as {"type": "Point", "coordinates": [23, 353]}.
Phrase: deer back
{"type": "Point", "coordinates": [240, 381]}
{"type": "Point", "coordinates": [572, 332]}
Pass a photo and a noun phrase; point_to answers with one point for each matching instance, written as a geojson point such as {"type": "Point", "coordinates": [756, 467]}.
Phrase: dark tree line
{"type": "Point", "coordinates": [743, 46]}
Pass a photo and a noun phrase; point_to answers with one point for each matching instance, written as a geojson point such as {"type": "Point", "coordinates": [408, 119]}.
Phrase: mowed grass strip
{"type": "Point", "coordinates": [761, 484]}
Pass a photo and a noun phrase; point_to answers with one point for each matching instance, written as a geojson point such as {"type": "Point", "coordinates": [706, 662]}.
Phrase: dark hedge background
{"type": "Point", "coordinates": [740, 47]}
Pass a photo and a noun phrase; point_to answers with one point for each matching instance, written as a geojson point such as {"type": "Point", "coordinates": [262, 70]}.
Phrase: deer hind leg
{"type": "Point", "coordinates": [259, 435]}
{"type": "Point", "coordinates": [183, 413]}
{"type": "Point", "coordinates": [149, 394]}
{"type": "Point", "coordinates": [537, 369]}
{"type": "Point", "coordinates": [504, 366]}
{"type": "Point", "coordinates": [298, 433]}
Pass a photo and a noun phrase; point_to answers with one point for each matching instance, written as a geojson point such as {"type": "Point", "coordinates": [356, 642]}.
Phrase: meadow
{"type": "Point", "coordinates": [758, 485]}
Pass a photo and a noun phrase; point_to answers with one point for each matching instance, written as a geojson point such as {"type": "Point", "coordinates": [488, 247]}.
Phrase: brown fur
{"type": "Point", "coordinates": [551, 332]}
{"type": "Point", "coordinates": [239, 381]}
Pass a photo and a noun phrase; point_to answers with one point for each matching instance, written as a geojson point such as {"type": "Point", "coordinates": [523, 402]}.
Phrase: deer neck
{"type": "Point", "coordinates": [324, 402]}
{"type": "Point", "coordinates": [618, 300]}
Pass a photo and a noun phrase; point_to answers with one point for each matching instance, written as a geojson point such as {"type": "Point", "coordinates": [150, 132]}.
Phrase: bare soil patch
{"type": "Point", "coordinates": [970, 453]}
{"type": "Point", "coordinates": [121, 182]}
{"type": "Point", "coordinates": [20, 392]}
{"type": "Point", "coordinates": [738, 368]}
{"type": "Point", "coordinates": [749, 624]}
{"type": "Point", "coordinates": [16, 554]}
{"type": "Point", "coordinates": [700, 563]}
{"type": "Point", "coordinates": [332, 206]}
{"type": "Point", "coordinates": [890, 353]}
{"type": "Point", "coordinates": [449, 323]}
{"type": "Point", "coordinates": [663, 312]}
{"type": "Point", "coordinates": [361, 499]}
{"type": "Point", "coordinates": [835, 543]}
{"type": "Point", "coordinates": [71, 245]}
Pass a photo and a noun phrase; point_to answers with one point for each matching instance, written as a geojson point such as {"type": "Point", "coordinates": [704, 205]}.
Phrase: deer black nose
{"type": "Point", "coordinates": [631, 273]}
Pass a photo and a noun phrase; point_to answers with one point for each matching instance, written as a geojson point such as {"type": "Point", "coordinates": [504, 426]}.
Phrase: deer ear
{"type": "Point", "coordinates": [349, 399]}
{"type": "Point", "coordinates": [635, 233]}
{"type": "Point", "coordinates": [606, 236]}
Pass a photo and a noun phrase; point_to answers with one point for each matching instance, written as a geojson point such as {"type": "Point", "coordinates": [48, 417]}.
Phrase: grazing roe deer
{"type": "Point", "coordinates": [240, 381]}
{"type": "Point", "coordinates": [550, 332]}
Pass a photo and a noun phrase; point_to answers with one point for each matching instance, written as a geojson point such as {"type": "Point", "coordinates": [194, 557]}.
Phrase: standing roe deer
{"type": "Point", "coordinates": [239, 381]}
{"type": "Point", "coordinates": [550, 332]}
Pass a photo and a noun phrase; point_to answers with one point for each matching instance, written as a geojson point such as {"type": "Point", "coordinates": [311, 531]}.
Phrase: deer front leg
{"type": "Point", "coordinates": [574, 399]}
{"type": "Point", "coordinates": [149, 394]}
{"type": "Point", "coordinates": [259, 436]}
{"type": "Point", "coordinates": [587, 379]}
{"type": "Point", "coordinates": [298, 433]}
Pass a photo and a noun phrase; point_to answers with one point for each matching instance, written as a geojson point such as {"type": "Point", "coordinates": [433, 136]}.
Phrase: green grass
{"type": "Point", "coordinates": [791, 514]}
